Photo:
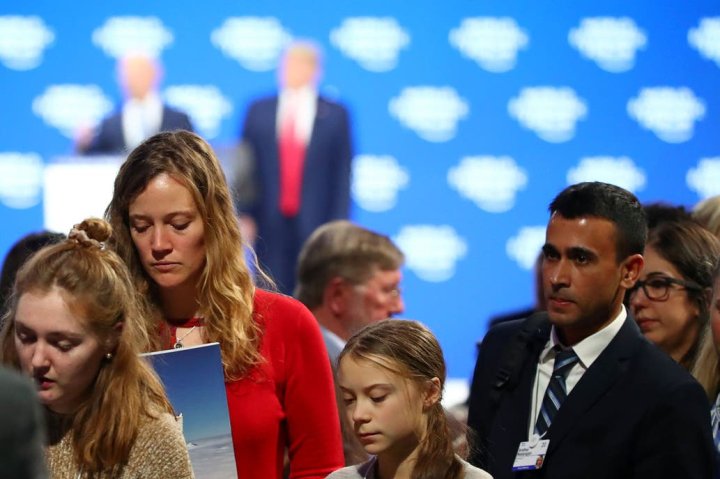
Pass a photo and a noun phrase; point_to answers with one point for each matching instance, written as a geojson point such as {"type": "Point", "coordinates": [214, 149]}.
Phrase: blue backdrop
{"type": "Point", "coordinates": [469, 116]}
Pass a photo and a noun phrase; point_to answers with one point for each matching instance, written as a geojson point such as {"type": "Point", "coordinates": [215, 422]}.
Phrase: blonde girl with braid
{"type": "Point", "coordinates": [391, 375]}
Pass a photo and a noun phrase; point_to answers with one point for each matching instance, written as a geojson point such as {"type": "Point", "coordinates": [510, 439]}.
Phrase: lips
{"type": "Point", "coordinates": [43, 382]}
{"type": "Point", "coordinates": [368, 437]}
{"type": "Point", "coordinates": [646, 324]}
{"type": "Point", "coordinates": [559, 301]}
{"type": "Point", "coordinates": [164, 266]}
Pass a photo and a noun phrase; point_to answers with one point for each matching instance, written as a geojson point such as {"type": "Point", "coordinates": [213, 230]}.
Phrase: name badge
{"type": "Point", "coordinates": [531, 454]}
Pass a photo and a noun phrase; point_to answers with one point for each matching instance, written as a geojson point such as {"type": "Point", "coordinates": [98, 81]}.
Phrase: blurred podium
{"type": "Point", "coordinates": [77, 187]}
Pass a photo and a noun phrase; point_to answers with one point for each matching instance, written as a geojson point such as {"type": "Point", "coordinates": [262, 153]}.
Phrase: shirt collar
{"type": "Point", "coordinates": [151, 100]}
{"type": "Point", "coordinates": [590, 348]}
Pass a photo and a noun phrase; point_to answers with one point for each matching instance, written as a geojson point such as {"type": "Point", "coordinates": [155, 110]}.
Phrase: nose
{"type": "Point", "coordinates": [638, 300]}
{"type": "Point", "coordinates": [397, 306]}
{"type": "Point", "coordinates": [160, 242]}
{"type": "Point", "coordinates": [359, 413]}
{"type": "Point", "coordinates": [39, 359]}
{"type": "Point", "coordinates": [558, 274]}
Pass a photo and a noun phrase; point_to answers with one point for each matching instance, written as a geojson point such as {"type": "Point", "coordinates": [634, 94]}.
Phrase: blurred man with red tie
{"type": "Point", "coordinates": [301, 153]}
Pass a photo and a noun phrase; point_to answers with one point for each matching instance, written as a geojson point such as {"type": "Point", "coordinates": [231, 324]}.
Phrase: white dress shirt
{"type": "Point", "coordinates": [304, 101]}
{"type": "Point", "coordinates": [587, 351]}
{"type": "Point", "coordinates": [141, 119]}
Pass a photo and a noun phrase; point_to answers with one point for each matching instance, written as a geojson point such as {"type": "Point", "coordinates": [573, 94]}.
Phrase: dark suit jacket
{"type": "Point", "coordinates": [109, 139]}
{"type": "Point", "coordinates": [325, 183]}
{"type": "Point", "coordinates": [22, 437]}
{"type": "Point", "coordinates": [635, 413]}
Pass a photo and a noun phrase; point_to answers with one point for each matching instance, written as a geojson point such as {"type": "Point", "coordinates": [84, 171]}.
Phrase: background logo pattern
{"type": "Point", "coordinates": [468, 118]}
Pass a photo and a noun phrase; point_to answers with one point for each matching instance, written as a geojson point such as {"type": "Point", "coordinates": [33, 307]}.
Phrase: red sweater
{"type": "Point", "coordinates": [288, 400]}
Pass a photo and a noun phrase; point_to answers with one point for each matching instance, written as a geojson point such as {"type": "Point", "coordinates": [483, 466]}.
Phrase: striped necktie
{"type": "Point", "coordinates": [715, 418]}
{"type": "Point", "coordinates": [556, 391]}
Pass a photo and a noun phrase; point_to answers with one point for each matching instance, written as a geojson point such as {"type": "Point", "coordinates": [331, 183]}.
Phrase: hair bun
{"type": "Point", "coordinates": [91, 232]}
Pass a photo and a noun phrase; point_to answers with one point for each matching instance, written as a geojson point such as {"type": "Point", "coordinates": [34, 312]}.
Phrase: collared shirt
{"type": "Point", "coordinates": [304, 101]}
{"type": "Point", "coordinates": [587, 351]}
{"type": "Point", "coordinates": [141, 119]}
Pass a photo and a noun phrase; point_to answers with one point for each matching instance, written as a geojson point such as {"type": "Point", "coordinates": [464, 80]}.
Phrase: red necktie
{"type": "Point", "coordinates": [292, 157]}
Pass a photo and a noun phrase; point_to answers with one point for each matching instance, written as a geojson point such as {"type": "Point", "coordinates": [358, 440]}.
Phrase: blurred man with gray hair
{"type": "Point", "coordinates": [349, 277]}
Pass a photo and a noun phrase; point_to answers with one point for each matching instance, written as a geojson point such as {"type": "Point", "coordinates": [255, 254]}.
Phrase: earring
{"type": "Point", "coordinates": [109, 356]}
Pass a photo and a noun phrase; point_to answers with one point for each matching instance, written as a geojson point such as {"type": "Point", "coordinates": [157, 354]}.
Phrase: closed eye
{"type": "Point", "coordinates": [181, 227]}
{"type": "Point", "coordinates": [378, 399]}
{"type": "Point", "coordinates": [24, 337]}
{"type": "Point", "coordinates": [140, 228]}
{"type": "Point", "coordinates": [64, 345]}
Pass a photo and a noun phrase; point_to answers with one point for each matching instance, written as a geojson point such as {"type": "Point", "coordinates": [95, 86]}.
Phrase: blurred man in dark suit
{"type": "Point", "coordinates": [301, 153]}
{"type": "Point", "coordinates": [141, 115]}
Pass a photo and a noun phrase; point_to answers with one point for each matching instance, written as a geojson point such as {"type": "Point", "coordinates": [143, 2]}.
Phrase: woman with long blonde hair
{"type": "Point", "coordinates": [74, 326]}
{"type": "Point", "coordinates": [179, 235]}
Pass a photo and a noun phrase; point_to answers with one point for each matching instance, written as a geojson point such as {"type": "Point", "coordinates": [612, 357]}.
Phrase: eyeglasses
{"type": "Point", "coordinates": [657, 288]}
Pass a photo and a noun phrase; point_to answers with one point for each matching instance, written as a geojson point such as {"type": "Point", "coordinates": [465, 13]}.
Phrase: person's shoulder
{"type": "Point", "coordinates": [162, 424]}
{"type": "Point", "coordinates": [160, 450]}
{"type": "Point", "coordinates": [472, 472]}
{"type": "Point", "coordinates": [271, 307]}
{"type": "Point", "coordinates": [264, 300]}
{"type": "Point", "coordinates": [332, 104]}
{"type": "Point", "coordinates": [349, 472]}
{"type": "Point", "coordinates": [503, 331]}
{"type": "Point", "coordinates": [264, 101]}
{"type": "Point", "coordinates": [172, 111]}
{"type": "Point", "coordinates": [659, 368]}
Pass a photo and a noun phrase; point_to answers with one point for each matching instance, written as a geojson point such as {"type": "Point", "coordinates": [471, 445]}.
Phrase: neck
{"type": "Point", "coordinates": [399, 461]}
{"type": "Point", "coordinates": [331, 322]}
{"type": "Point", "coordinates": [570, 336]}
{"type": "Point", "coordinates": [684, 353]}
{"type": "Point", "coordinates": [179, 303]}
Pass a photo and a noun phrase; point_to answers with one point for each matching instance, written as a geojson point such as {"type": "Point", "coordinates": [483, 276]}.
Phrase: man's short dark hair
{"type": "Point", "coordinates": [603, 200]}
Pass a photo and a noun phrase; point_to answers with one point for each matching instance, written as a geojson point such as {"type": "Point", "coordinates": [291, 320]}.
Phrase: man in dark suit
{"type": "Point", "coordinates": [581, 375]}
{"type": "Point", "coordinates": [142, 113]}
{"type": "Point", "coordinates": [301, 153]}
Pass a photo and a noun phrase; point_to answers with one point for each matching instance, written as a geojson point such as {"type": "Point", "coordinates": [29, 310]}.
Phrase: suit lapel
{"type": "Point", "coordinates": [321, 115]}
{"type": "Point", "coordinates": [515, 406]}
{"type": "Point", "coordinates": [596, 382]}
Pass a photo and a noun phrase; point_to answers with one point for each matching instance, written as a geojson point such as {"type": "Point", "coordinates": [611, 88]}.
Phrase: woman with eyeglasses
{"type": "Point", "coordinates": [670, 301]}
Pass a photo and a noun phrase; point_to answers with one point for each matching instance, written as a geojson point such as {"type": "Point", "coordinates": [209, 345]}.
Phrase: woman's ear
{"type": "Point", "coordinates": [114, 338]}
{"type": "Point", "coordinates": [433, 393]}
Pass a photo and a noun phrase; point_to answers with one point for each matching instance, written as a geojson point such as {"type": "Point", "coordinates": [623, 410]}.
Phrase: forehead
{"type": "Point", "coordinates": [588, 232]}
{"type": "Point", "coordinates": [48, 311]}
{"type": "Point", "coordinates": [358, 373]}
{"type": "Point", "coordinates": [655, 263]}
{"type": "Point", "coordinates": [163, 192]}
{"type": "Point", "coordinates": [385, 276]}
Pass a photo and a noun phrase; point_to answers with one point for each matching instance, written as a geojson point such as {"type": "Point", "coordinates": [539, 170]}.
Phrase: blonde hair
{"type": "Point", "coordinates": [707, 213]}
{"type": "Point", "coordinates": [410, 350]}
{"type": "Point", "coordinates": [707, 364]}
{"type": "Point", "coordinates": [95, 282]}
{"type": "Point", "coordinates": [225, 289]}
